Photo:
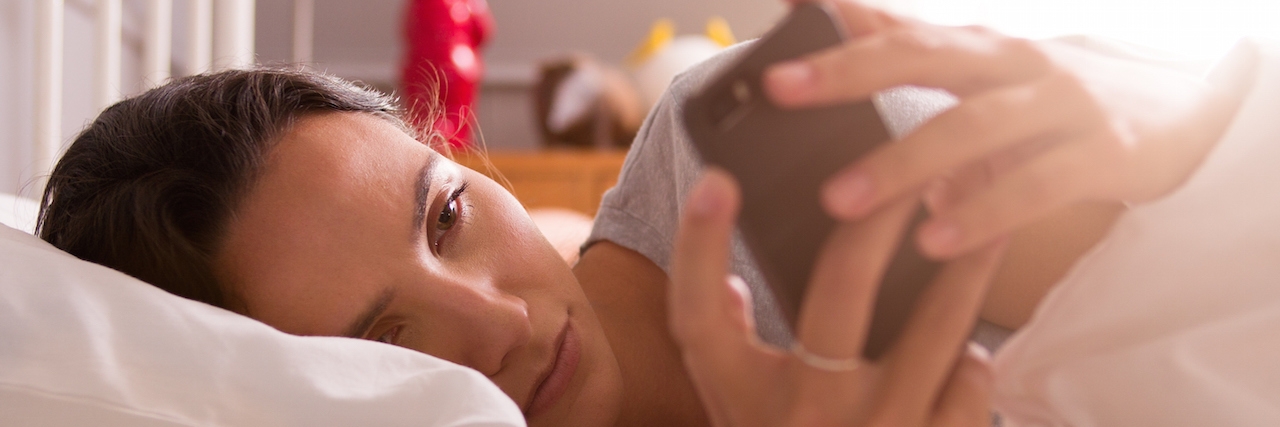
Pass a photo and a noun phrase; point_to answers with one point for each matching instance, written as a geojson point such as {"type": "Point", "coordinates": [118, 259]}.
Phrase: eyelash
{"type": "Point", "coordinates": [453, 207]}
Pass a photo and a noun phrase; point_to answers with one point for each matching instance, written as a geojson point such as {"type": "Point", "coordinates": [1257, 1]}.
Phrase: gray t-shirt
{"type": "Point", "coordinates": [641, 212]}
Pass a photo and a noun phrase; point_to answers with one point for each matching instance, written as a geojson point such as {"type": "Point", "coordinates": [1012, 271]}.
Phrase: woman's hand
{"type": "Point", "coordinates": [1038, 125]}
{"type": "Point", "coordinates": [925, 379]}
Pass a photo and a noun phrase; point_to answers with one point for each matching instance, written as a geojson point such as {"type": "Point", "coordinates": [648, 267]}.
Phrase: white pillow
{"type": "Point", "coordinates": [18, 212]}
{"type": "Point", "coordinates": [81, 344]}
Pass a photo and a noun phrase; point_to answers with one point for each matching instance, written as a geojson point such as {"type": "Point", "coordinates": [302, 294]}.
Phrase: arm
{"type": "Point", "coordinates": [628, 293]}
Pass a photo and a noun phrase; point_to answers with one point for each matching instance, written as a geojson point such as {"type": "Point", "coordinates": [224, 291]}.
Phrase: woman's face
{"type": "Point", "coordinates": [356, 229]}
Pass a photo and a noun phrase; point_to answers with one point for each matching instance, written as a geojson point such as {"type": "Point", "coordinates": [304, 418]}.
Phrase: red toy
{"type": "Point", "coordinates": [442, 65]}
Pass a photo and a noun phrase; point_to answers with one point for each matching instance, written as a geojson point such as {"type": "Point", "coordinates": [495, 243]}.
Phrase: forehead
{"type": "Point", "coordinates": [332, 206]}
{"type": "Point", "coordinates": [344, 145]}
{"type": "Point", "coordinates": [338, 164]}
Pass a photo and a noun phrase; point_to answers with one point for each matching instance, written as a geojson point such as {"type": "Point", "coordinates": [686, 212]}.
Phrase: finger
{"type": "Point", "coordinates": [980, 175]}
{"type": "Point", "coordinates": [938, 193]}
{"type": "Point", "coordinates": [960, 60]}
{"type": "Point", "coordinates": [702, 305]}
{"type": "Point", "coordinates": [921, 360]}
{"type": "Point", "coordinates": [708, 318]}
{"type": "Point", "coordinates": [1064, 175]}
{"type": "Point", "coordinates": [976, 129]}
{"type": "Point", "coordinates": [837, 308]}
{"type": "Point", "coordinates": [943, 192]}
{"type": "Point", "coordinates": [966, 399]}
{"type": "Point", "coordinates": [859, 19]}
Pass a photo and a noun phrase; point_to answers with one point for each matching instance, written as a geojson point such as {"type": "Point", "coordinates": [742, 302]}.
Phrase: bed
{"type": "Point", "coordinates": [81, 344]}
{"type": "Point", "coordinates": [87, 345]}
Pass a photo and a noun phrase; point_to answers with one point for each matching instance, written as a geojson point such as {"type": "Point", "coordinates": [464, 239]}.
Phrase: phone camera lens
{"type": "Point", "coordinates": [728, 107]}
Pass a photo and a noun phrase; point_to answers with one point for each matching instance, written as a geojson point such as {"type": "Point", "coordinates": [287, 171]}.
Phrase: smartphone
{"type": "Point", "coordinates": [781, 157]}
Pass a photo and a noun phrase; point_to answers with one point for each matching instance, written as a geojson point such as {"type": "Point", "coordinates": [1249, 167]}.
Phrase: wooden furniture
{"type": "Point", "coordinates": [570, 179]}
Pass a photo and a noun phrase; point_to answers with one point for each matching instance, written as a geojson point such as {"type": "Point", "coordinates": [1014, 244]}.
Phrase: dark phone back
{"type": "Point", "coordinates": [781, 157]}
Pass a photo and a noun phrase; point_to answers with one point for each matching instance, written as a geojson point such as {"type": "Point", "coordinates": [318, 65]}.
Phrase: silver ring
{"type": "Point", "coordinates": [822, 362]}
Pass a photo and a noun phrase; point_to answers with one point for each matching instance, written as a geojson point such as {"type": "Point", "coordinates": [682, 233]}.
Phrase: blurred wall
{"type": "Point", "coordinates": [608, 29]}
{"type": "Point", "coordinates": [354, 39]}
{"type": "Point", "coordinates": [361, 40]}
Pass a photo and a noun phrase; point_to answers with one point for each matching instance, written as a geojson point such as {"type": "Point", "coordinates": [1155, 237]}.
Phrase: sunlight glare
{"type": "Point", "coordinates": [1193, 28]}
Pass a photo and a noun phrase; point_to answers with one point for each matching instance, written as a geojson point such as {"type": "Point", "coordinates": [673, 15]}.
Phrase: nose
{"type": "Point", "coordinates": [495, 324]}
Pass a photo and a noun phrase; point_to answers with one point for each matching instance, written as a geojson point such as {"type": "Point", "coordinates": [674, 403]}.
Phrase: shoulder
{"type": "Point", "coordinates": [641, 211]}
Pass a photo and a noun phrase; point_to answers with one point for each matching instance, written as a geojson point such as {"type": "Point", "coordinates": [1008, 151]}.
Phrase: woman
{"type": "Point", "coordinates": [300, 200]}
{"type": "Point", "coordinates": [303, 202]}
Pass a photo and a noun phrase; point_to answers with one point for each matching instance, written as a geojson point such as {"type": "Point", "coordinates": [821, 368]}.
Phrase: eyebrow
{"type": "Point", "coordinates": [371, 313]}
{"type": "Point", "coordinates": [421, 196]}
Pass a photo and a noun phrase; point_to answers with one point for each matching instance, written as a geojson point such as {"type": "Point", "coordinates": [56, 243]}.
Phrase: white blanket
{"type": "Point", "coordinates": [1174, 319]}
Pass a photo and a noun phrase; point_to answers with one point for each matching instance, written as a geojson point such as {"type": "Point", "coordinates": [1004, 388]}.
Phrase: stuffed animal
{"type": "Point", "coordinates": [663, 55]}
{"type": "Point", "coordinates": [581, 102]}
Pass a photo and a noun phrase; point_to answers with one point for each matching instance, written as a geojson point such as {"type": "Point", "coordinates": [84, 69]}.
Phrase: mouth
{"type": "Point", "coordinates": [556, 377]}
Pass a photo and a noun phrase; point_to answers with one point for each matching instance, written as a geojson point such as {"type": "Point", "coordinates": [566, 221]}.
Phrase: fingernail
{"type": "Point", "coordinates": [791, 77]}
{"type": "Point", "coordinates": [939, 236]}
{"type": "Point", "coordinates": [849, 195]}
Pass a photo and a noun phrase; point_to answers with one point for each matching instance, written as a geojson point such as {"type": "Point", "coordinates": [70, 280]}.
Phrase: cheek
{"type": "Point", "coordinates": [499, 209]}
{"type": "Point", "coordinates": [516, 230]}
{"type": "Point", "coordinates": [510, 237]}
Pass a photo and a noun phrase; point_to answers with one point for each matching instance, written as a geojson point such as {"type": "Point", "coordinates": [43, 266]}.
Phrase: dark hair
{"type": "Point", "coordinates": [148, 187]}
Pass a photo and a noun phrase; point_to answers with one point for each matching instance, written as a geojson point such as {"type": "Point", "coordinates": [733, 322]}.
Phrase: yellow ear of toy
{"type": "Point", "coordinates": [719, 32]}
{"type": "Point", "coordinates": [659, 36]}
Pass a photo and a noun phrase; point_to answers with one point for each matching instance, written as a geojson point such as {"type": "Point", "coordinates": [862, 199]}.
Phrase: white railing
{"type": "Point", "coordinates": [106, 85]}
{"type": "Point", "coordinates": [219, 35]}
{"type": "Point", "coordinates": [48, 76]}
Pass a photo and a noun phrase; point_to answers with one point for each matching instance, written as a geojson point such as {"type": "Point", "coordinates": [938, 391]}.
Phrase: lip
{"type": "Point", "coordinates": [555, 379]}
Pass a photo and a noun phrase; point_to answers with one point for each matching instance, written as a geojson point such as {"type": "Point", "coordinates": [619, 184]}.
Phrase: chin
{"type": "Point", "coordinates": [594, 405]}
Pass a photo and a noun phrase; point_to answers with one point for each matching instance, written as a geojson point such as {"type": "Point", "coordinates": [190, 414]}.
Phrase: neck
{"type": "Point", "coordinates": [628, 294]}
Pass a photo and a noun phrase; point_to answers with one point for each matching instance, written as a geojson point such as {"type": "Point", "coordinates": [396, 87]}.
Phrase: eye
{"type": "Point", "coordinates": [449, 214]}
